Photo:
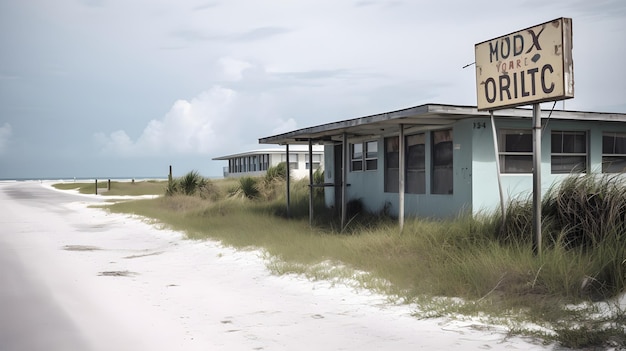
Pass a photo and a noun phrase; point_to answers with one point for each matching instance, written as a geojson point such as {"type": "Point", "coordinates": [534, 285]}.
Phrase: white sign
{"type": "Point", "coordinates": [529, 66]}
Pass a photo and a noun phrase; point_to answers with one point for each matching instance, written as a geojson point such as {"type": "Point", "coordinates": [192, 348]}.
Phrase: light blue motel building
{"type": "Point", "coordinates": [445, 156]}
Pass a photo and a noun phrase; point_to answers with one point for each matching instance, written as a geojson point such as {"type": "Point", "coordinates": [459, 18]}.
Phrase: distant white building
{"type": "Point", "coordinates": [255, 163]}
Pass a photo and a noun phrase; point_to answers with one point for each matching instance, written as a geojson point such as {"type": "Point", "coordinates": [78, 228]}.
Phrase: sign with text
{"type": "Point", "coordinates": [525, 67]}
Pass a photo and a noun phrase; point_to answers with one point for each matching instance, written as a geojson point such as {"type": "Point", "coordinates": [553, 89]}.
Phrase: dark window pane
{"type": "Point", "coordinates": [371, 164]}
{"type": "Point", "coordinates": [614, 143]}
{"type": "Point", "coordinates": [608, 143]}
{"type": "Point", "coordinates": [614, 164]}
{"type": "Point", "coordinates": [620, 144]}
{"type": "Point", "coordinates": [574, 142]}
{"type": "Point", "coordinates": [416, 157]}
{"type": "Point", "coordinates": [516, 163]}
{"type": "Point", "coordinates": [391, 180]}
{"type": "Point", "coordinates": [392, 164]}
{"type": "Point", "coordinates": [518, 142]}
{"type": "Point", "coordinates": [392, 144]}
{"type": "Point", "coordinates": [442, 154]}
{"type": "Point", "coordinates": [569, 164]}
{"type": "Point", "coordinates": [557, 142]}
{"type": "Point", "coordinates": [416, 182]}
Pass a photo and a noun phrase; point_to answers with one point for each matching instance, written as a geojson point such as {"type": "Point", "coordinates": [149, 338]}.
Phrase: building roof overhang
{"type": "Point", "coordinates": [423, 117]}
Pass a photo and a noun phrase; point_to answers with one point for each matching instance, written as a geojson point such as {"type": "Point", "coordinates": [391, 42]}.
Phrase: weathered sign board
{"type": "Point", "coordinates": [525, 67]}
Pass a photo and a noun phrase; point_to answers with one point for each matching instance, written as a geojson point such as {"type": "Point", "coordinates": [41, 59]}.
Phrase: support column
{"type": "Point", "coordinates": [537, 179]}
{"type": "Point", "coordinates": [288, 179]}
{"type": "Point", "coordinates": [310, 183]}
{"type": "Point", "coordinates": [401, 178]}
{"type": "Point", "coordinates": [497, 157]}
{"type": "Point", "coordinates": [344, 180]}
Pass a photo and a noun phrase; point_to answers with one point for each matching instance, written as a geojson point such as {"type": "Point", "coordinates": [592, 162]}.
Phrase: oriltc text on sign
{"type": "Point", "coordinates": [529, 66]}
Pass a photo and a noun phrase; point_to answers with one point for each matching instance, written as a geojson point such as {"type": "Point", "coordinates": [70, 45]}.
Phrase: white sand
{"type": "Point", "coordinates": [180, 294]}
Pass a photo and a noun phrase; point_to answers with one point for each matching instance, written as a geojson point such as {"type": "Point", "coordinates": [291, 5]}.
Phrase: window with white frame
{"type": "Point", "coordinates": [613, 152]}
{"type": "Point", "coordinates": [569, 152]}
{"type": "Point", "coordinates": [415, 164]}
{"type": "Point", "coordinates": [364, 156]}
{"type": "Point", "coordinates": [515, 148]}
{"type": "Point", "coordinates": [317, 161]}
{"type": "Point", "coordinates": [442, 157]}
{"type": "Point", "coordinates": [293, 160]}
{"type": "Point", "coordinates": [356, 157]}
{"type": "Point", "coordinates": [371, 155]}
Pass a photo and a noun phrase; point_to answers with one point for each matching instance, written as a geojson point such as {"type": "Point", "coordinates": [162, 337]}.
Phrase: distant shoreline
{"type": "Point", "coordinates": [80, 179]}
{"type": "Point", "coordinates": [84, 179]}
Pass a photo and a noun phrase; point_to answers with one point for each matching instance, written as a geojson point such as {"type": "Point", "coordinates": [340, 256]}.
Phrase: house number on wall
{"type": "Point", "coordinates": [479, 125]}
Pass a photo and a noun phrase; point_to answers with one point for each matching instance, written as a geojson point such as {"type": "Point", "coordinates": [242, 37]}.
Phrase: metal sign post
{"type": "Point", "coordinates": [536, 179]}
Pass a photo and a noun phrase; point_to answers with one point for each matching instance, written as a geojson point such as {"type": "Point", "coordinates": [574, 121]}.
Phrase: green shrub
{"type": "Point", "coordinates": [248, 186]}
{"type": "Point", "coordinates": [318, 179]}
{"type": "Point", "coordinates": [208, 190]}
{"type": "Point", "coordinates": [193, 184]}
{"type": "Point", "coordinates": [172, 187]}
{"type": "Point", "coordinates": [585, 210]}
{"type": "Point", "coordinates": [583, 219]}
{"type": "Point", "coordinates": [276, 172]}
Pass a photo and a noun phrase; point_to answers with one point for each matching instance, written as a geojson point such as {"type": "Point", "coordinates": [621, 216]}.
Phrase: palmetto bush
{"type": "Point", "coordinates": [193, 184]}
{"type": "Point", "coordinates": [248, 186]}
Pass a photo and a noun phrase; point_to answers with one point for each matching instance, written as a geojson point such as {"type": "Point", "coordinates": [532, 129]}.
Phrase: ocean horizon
{"type": "Point", "coordinates": [76, 179]}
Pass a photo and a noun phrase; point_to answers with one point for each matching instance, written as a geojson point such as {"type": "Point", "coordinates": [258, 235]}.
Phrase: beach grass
{"type": "Point", "coordinates": [129, 188]}
{"type": "Point", "coordinates": [468, 266]}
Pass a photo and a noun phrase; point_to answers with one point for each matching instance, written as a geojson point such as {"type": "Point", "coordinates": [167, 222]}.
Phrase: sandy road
{"type": "Point", "coordinates": [78, 278]}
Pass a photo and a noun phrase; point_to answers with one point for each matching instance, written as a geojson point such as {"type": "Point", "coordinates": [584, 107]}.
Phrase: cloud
{"type": "Point", "coordinates": [190, 127]}
{"type": "Point", "coordinates": [252, 35]}
{"type": "Point", "coordinates": [204, 6]}
{"type": "Point", "coordinates": [232, 69]}
{"type": "Point", "coordinates": [5, 135]}
{"type": "Point", "coordinates": [261, 33]}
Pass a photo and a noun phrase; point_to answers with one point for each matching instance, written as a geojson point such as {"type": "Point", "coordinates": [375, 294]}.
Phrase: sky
{"type": "Point", "coordinates": [112, 88]}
